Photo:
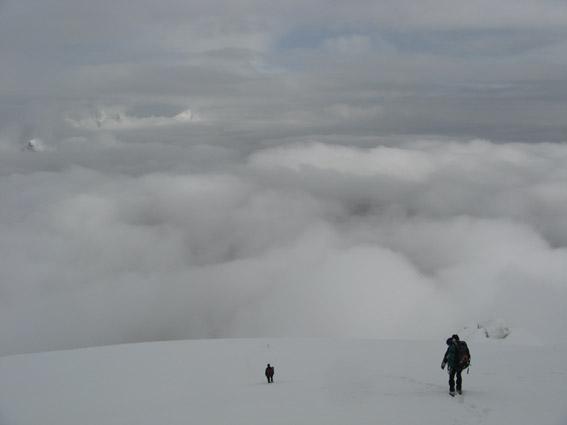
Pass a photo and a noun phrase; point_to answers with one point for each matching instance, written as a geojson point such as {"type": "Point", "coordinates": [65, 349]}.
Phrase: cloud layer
{"type": "Point", "coordinates": [252, 68]}
{"type": "Point", "coordinates": [196, 169]}
{"type": "Point", "coordinates": [305, 239]}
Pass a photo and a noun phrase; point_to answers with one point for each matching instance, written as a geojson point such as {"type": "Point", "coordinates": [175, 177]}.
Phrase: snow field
{"type": "Point", "coordinates": [317, 381]}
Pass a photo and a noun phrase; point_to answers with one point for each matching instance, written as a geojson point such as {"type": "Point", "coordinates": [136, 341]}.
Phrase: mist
{"type": "Point", "coordinates": [302, 239]}
{"type": "Point", "coordinates": [192, 169]}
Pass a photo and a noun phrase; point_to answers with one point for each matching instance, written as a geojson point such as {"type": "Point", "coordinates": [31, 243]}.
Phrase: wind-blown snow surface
{"type": "Point", "coordinates": [317, 382]}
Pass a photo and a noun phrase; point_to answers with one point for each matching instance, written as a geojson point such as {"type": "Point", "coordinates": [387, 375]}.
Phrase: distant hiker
{"type": "Point", "coordinates": [457, 358]}
{"type": "Point", "coordinates": [270, 373]}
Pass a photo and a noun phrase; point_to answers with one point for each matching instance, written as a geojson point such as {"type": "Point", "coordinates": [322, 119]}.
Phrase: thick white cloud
{"type": "Point", "coordinates": [244, 168]}
{"type": "Point", "coordinates": [403, 164]}
{"type": "Point", "coordinates": [308, 239]}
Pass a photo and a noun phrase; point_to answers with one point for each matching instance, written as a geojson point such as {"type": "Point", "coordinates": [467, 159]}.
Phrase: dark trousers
{"type": "Point", "coordinates": [270, 379]}
{"type": "Point", "coordinates": [452, 372]}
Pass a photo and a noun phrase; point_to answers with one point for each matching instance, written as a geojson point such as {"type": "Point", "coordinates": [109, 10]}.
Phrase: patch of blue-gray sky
{"type": "Point", "coordinates": [462, 43]}
{"type": "Point", "coordinates": [251, 68]}
{"type": "Point", "coordinates": [497, 43]}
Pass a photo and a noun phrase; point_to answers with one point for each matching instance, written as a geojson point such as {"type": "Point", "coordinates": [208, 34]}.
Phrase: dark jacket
{"type": "Point", "coordinates": [451, 357]}
{"type": "Point", "coordinates": [270, 371]}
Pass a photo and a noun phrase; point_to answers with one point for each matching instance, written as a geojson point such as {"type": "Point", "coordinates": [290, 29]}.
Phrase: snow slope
{"type": "Point", "coordinates": [316, 382]}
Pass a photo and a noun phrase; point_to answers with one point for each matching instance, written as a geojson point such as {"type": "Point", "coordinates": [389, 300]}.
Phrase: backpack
{"type": "Point", "coordinates": [463, 355]}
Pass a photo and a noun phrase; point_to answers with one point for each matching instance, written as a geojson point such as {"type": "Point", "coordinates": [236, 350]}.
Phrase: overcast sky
{"type": "Point", "coordinates": [256, 68]}
{"type": "Point", "coordinates": [192, 169]}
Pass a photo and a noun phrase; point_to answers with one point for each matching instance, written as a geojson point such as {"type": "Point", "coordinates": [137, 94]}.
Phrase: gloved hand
{"type": "Point", "coordinates": [443, 365]}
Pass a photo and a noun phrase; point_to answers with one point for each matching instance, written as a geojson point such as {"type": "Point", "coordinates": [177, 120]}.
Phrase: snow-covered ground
{"type": "Point", "coordinates": [316, 382]}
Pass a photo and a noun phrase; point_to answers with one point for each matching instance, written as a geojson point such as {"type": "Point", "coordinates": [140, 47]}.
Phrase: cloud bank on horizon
{"type": "Point", "coordinates": [197, 169]}
{"type": "Point", "coordinates": [307, 239]}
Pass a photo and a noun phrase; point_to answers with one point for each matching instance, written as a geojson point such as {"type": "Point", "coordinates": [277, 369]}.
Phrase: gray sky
{"type": "Point", "coordinates": [184, 169]}
{"type": "Point", "coordinates": [253, 69]}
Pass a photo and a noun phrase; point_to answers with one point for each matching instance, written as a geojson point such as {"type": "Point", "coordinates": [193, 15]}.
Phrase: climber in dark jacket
{"type": "Point", "coordinates": [270, 373]}
{"type": "Point", "coordinates": [451, 359]}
